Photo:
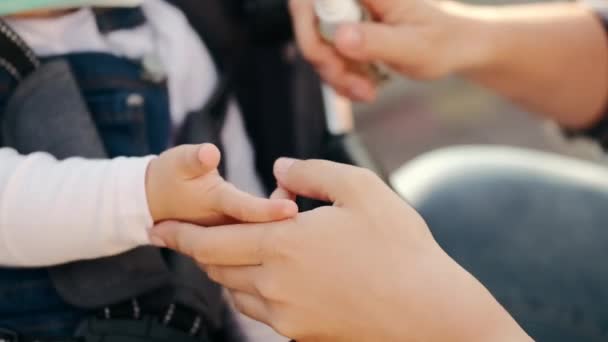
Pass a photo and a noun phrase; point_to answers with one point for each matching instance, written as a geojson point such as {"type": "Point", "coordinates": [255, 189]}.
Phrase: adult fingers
{"type": "Point", "coordinates": [323, 180]}
{"type": "Point", "coordinates": [225, 246]}
{"type": "Point", "coordinates": [237, 278]}
{"type": "Point", "coordinates": [312, 45]}
{"type": "Point", "coordinates": [371, 42]}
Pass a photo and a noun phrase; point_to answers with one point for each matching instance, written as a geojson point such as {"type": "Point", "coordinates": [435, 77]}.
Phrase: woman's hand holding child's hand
{"type": "Point", "coordinates": [183, 184]}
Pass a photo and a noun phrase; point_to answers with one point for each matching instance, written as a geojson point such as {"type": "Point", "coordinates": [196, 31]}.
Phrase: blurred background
{"type": "Point", "coordinates": [412, 118]}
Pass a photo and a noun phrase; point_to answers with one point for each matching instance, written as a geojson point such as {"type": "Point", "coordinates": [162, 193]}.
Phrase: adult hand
{"type": "Point", "coordinates": [528, 53]}
{"type": "Point", "coordinates": [419, 38]}
{"type": "Point", "coordinates": [365, 269]}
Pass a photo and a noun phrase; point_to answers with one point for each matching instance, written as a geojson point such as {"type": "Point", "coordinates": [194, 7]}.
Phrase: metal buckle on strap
{"type": "Point", "coordinates": [197, 322]}
{"type": "Point", "coordinates": [169, 314]}
{"type": "Point", "coordinates": [196, 326]}
{"type": "Point", "coordinates": [7, 335]}
{"type": "Point", "coordinates": [136, 308]}
{"type": "Point", "coordinates": [107, 311]}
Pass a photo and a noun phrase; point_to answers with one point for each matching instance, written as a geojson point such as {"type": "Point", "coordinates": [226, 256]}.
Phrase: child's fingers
{"type": "Point", "coordinates": [281, 193]}
{"type": "Point", "coordinates": [192, 161]}
{"type": "Point", "coordinates": [248, 208]}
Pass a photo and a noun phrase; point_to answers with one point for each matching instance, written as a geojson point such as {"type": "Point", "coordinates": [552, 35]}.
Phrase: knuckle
{"type": "Point", "coordinates": [267, 288]}
{"type": "Point", "coordinates": [360, 182]}
{"type": "Point", "coordinates": [240, 212]}
{"type": "Point", "coordinates": [241, 306]}
{"type": "Point", "coordinates": [284, 324]}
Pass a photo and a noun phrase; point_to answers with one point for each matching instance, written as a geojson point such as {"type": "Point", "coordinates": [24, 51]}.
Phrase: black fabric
{"type": "Point", "coordinates": [268, 20]}
{"type": "Point", "coordinates": [144, 330]}
{"type": "Point", "coordinates": [278, 92]}
{"type": "Point", "coordinates": [598, 132]}
{"type": "Point", "coordinates": [7, 335]}
{"type": "Point", "coordinates": [113, 19]}
{"type": "Point", "coordinates": [205, 125]}
{"type": "Point", "coordinates": [220, 25]}
{"type": "Point", "coordinates": [17, 58]}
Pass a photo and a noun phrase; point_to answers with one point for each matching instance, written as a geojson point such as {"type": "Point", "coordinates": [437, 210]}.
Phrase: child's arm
{"type": "Point", "coordinates": [53, 212]}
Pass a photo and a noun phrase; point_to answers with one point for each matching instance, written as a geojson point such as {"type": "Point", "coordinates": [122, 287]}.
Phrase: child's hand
{"type": "Point", "coordinates": [184, 184]}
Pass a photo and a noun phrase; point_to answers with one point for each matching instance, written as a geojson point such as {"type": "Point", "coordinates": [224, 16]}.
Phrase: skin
{"type": "Point", "coordinates": [360, 271]}
{"type": "Point", "coordinates": [367, 268]}
{"type": "Point", "coordinates": [184, 184]}
{"type": "Point", "coordinates": [549, 58]}
{"type": "Point", "coordinates": [42, 14]}
{"type": "Point", "coordinates": [354, 271]}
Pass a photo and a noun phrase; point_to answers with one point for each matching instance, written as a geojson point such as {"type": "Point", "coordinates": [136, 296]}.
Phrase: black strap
{"type": "Point", "coordinates": [15, 55]}
{"type": "Point", "coordinates": [7, 335]}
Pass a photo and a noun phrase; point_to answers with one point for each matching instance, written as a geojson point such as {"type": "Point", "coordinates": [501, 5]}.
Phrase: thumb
{"type": "Point", "coordinates": [369, 42]}
{"type": "Point", "coordinates": [322, 180]}
{"type": "Point", "coordinates": [192, 161]}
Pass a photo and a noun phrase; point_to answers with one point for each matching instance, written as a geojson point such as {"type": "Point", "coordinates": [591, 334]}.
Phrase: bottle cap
{"type": "Point", "coordinates": [338, 11]}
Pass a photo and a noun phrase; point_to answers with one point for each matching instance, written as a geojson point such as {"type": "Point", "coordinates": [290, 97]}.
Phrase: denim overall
{"type": "Point", "coordinates": [131, 112]}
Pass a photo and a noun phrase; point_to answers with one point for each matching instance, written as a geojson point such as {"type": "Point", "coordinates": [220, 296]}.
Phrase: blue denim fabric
{"type": "Point", "coordinates": [132, 116]}
{"type": "Point", "coordinates": [530, 226]}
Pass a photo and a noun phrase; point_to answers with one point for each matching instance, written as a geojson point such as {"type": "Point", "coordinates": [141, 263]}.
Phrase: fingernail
{"type": "Point", "coordinates": [291, 209]}
{"type": "Point", "coordinates": [350, 36]}
{"type": "Point", "coordinates": [282, 166]}
{"type": "Point", "coordinates": [158, 242]}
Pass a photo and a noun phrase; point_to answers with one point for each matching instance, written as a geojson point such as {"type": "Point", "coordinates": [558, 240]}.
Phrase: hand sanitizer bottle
{"type": "Point", "coordinates": [332, 14]}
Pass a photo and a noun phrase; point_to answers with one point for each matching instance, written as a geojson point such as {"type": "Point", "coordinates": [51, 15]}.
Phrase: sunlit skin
{"type": "Point", "coordinates": [368, 268]}
{"type": "Point", "coordinates": [368, 258]}
{"type": "Point", "coordinates": [550, 58]}
{"type": "Point", "coordinates": [42, 14]}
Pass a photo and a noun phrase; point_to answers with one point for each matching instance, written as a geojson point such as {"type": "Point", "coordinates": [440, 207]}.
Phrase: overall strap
{"type": "Point", "coordinates": [97, 283]}
{"type": "Point", "coordinates": [170, 277]}
{"type": "Point", "coordinates": [17, 58]}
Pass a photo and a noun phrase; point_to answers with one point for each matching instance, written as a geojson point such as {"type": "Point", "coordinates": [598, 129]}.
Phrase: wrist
{"type": "Point", "coordinates": [154, 192]}
{"type": "Point", "coordinates": [472, 41]}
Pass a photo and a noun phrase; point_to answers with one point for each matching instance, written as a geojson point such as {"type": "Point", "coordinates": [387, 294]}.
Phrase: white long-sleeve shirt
{"type": "Point", "coordinates": [54, 212]}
